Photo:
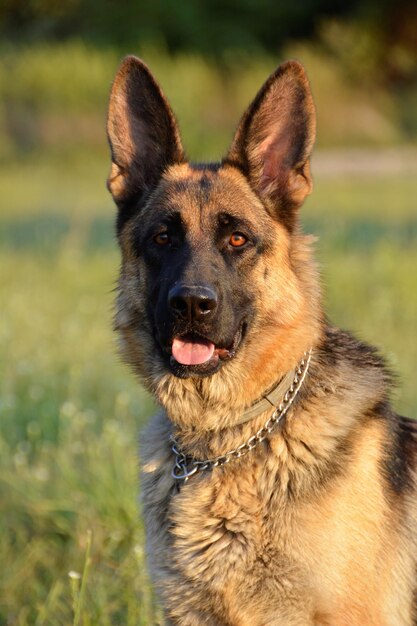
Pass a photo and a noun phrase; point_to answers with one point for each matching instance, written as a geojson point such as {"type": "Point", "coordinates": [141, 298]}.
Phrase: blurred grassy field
{"type": "Point", "coordinates": [70, 412]}
{"type": "Point", "coordinates": [53, 97]}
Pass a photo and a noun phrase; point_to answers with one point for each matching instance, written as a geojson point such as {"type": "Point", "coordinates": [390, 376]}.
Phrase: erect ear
{"type": "Point", "coordinates": [274, 140]}
{"type": "Point", "coordinates": [142, 132]}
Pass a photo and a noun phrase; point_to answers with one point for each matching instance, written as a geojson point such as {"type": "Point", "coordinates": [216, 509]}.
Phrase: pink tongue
{"type": "Point", "coordinates": [192, 352]}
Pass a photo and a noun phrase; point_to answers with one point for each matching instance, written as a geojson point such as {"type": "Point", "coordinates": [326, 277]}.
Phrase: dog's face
{"type": "Point", "coordinates": [207, 269]}
{"type": "Point", "coordinates": [197, 249]}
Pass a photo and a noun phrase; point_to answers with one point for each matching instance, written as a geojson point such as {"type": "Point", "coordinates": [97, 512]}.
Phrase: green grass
{"type": "Point", "coordinates": [70, 412]}
{"type": "Point", "coordinates": [54, 96]}
{"type": "Point", "coordinates": [68, 423]}
{"type": "Point", "coordinates": [71, 540]}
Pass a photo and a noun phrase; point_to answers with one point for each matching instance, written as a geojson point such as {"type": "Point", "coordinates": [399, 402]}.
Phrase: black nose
{"type": "Point", "coordinates": [192, 303]}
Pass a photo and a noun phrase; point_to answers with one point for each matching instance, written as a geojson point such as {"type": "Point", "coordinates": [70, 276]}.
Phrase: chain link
{"type": "Point", "coordinates": [185, 466]}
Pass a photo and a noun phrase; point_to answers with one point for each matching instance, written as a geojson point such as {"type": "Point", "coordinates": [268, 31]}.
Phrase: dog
{"type": "Point", "coordinates": [279, 486]}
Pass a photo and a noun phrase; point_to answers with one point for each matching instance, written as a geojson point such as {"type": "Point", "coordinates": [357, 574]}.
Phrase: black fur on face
{"type": "Point", "coordinates": [196, 259]}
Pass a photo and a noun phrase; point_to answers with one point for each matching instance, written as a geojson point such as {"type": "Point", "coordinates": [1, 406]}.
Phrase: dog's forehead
{"type": "Point", "coordinates": [204, 192]}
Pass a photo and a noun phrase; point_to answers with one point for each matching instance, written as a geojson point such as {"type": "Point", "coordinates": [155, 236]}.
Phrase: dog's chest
{"type": "Point", "coordinates": [227, 537]}
{"type": "Point", "coordinates": [222, 527]}
{"type": "Point", "coordinates": [215, 527]}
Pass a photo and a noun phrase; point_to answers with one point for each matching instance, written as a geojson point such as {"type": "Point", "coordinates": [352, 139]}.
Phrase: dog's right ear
{"type": "Point", "coordinates": [142, 132]}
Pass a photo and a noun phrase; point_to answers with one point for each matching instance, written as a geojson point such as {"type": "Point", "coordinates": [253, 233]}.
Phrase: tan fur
{"type": "Point", "coordinates": [317, 524]}
{"type": "Point", "coordinates": [339, 558]}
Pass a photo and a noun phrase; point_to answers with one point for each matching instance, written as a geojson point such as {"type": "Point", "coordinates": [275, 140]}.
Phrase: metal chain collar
{"type": "Point", "coordinates": [185, 466]}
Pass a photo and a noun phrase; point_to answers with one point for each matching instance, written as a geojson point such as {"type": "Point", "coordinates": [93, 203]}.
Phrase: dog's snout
{"type": "Point", "coordinates": [192, 303]}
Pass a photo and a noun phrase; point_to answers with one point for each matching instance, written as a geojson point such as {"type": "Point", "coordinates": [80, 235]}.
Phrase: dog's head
{"type": "Point", "coordinates": [211, 280]}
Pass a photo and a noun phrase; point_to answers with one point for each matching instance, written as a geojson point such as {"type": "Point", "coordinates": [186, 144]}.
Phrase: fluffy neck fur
{"type": "Point", "coordinates": [341, 391]}
{"type": "Point", "coordinates": [269, 352]}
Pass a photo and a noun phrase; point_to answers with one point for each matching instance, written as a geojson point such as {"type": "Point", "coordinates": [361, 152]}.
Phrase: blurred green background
{"type": "Point", "coordinates": [71, 543]}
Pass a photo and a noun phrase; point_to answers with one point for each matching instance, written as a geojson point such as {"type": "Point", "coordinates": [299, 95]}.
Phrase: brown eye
{"type": "Point", "coordinates": [237, 240]}
{"type": "Point", "coordinates": [161, 239]}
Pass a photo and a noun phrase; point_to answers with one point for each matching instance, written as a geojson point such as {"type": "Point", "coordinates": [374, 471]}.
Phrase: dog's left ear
{"type": "Point", "coordinates": [275, 138]}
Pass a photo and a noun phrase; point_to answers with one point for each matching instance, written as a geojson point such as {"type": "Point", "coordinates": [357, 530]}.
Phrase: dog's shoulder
{"type": "Point", "coordinates": [342, 346]}
{"type": "Point", "coordinates": [156, 460]}
{"type": "Point", "coordinates": [154, 437]}
{"type": "Point", "coordinates": [408, 428]}
{"type": "Point", "coordinates": [403, 466]}
{"type": "Point", "coordinates": [352, 385]}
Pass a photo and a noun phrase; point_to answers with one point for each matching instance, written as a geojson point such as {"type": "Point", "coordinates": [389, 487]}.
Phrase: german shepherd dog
{"type": "Point", "coordinates": [279, 487]}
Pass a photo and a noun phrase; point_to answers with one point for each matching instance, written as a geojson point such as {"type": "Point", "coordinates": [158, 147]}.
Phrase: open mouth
{"type": "Point", "coordinates": [188, 351]}
{"type": "Point", "coordinates": [193, 355]}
